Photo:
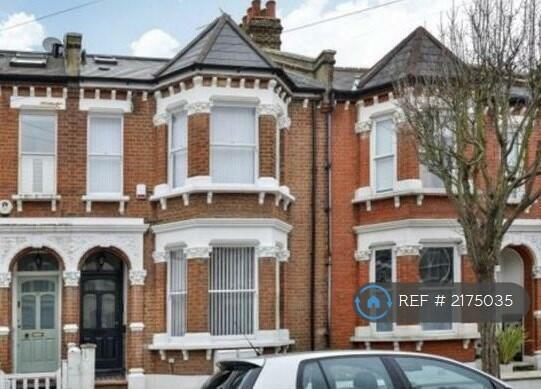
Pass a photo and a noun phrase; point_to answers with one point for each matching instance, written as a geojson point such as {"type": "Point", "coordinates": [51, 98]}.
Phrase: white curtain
{"type": "Point", "coordinates": [178, 151]}
{"type": "Point", "coordinates": [38, 153]}
{"type": "Point", "coordinates": [384, 158]}
{"type": "Point", "coordinates": [105, 155]}
{"type": "Point", "coordinates": [233, 145]}
{"type": "Point", "coordinates": [177, 292]}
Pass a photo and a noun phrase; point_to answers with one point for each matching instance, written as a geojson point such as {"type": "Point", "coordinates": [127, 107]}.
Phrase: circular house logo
{"type": "Point", "coordinates": [372, 302]}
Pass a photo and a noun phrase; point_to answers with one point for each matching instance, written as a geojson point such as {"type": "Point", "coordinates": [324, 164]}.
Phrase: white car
{"type": "Point", "coordinates": [349, 370]}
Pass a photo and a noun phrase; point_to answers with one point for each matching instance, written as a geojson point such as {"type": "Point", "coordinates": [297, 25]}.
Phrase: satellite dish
{"type": "Point", "coordinates": [50, 42]}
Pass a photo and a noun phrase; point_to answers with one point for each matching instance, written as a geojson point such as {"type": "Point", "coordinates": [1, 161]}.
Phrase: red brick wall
{"type": "Point", "coordinates": [198, 144]}
{"type": "Point", "coordinates": [267, 146]}
{"type": "Point", "coordinates": [198, 299]}
{"type": "Point", "coordinates": [267, 295]}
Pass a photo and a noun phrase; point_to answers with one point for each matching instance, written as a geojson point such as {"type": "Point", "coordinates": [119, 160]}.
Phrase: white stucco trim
{"type": "Point", "coordinates": [39, 103]}
{"type": "Point", "coordinates": [414, 333]}
{"type": "Point", "coordinates": [203, 184]}
{"type": "Point", "coordinates": [200, 98]}
{"type": "Point", "coordinates": [4, 331]}
{"type": "Point", "coordinates": [137, 327]}
{"type": "Point", "coordinates": [366, 114]}
{"type": "Point", "coordinates": [71, 238]}
{"type": "Point", "coordinates": [270, 236]}
{"type": "Point", "coordinates": [106, 105]}
{"type": "Point", "coordinates": [70, 328]}
{"type": "Point", "coordinates": [205, 341]}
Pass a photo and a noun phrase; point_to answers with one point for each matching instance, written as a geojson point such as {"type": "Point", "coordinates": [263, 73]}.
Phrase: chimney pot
{"type": "Point", "coordinates": [271, 8]}
{"type": "Point", "coordinates": [256, 7]}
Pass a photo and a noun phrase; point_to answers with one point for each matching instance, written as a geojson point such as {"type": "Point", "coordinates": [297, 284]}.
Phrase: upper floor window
{"type": "Point", "coordinates": [232, 290]}
{"type": "Point", "coordinates": [384, 155]}
{"type": "Point", "coordinates": [38, 153]}
{"type": "Point", "coordinates": [233, 145]}
{"type": "Point", "coordinates": [105, 154]}
{"type": "Point", "coordinates": [384, 274]}
{"type": "Point", "coordinates": [178, 149]}
{"type": "Point", "coordinates": [430, 180]}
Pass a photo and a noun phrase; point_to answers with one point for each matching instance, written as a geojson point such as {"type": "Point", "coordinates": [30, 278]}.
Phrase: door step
{"type": "Point", "coordinates": [119, 382]}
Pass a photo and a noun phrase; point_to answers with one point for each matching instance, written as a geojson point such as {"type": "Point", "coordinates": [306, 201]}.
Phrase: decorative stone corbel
{"type": "Point", "coordinates": [5, 280]}
{"type": "Point", "coordinates": [197, 252]}
{"type": "Point", "coordinates": [536, 271]}
{"type": "Point", "coordinates": [137, 277]}
{"type": "Point", "coordinates": [159, 256]}
{"type": "Point", "coordinates": [407, 250]}
{"type": "Point", "coordinates": [362, 255]}
{"type": "Point", "coordinates": [71, 278]}
{"type": "Point", "coordinates": [197, 108]}
{"type": "Point", "coordinates": [160, 119]}
{"type": "Point", "coordinates": [364, 126]}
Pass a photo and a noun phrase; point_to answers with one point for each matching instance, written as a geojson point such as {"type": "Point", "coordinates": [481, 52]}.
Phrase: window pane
{"type": "Point", "coordinates": [232, 294]}
{"type": "Point", "coordinates": [429, 179]}
{"type": "Point", "coordinates": [384, 174]}
{"type": "Point", "coordinates": [312, 377]}
{"type": "Point", "coordinates": [89, 313]}
{"type": "Point", "coordinates": [104, 174]}
{"type": "Point", "coordinates": [233, 164]}
{"type": "Point", "coordinates": [426, 373]}
{"type": "Point", "coordinates": [38, 174]}
{"type": "Point", "coordinates": [384, 137]}
{"type": "Point", "coordinates": [38, 134]}
{"type": "Point", "coordinates": [384, 274]}
{"type": "Point", "coordinates": [108, 310]}
{"type": "Point", "coordinates": [356, 372]}
{"type": "Point", "coordinates": [180, 168]}
{"type": "Point", "coordinates": [177, 290]}
{"type": "Point", "coordinates": [179, 131]}
{"type": "Point", "coordinates": [233, 125]}
{"type": "Point", "coordinates": [105, 136]}
{"type": "Point", "coordinates": [47, 311]}
{"type": "Point", "coordinates": [28, 312]}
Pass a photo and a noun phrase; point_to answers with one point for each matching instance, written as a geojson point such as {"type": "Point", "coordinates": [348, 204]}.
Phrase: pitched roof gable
{"type": "Point", "coordinates": [420, 54]}
{"type": "Point", "coordinates": [222, 43]}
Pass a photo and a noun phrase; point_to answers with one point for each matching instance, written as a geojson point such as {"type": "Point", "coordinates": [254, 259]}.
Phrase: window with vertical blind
{"type": "Point", "coordinates": [177, 292]}
{"type": "Point", "coordinates": [38, 153]}
{"type": "Point", "coordinates": [233, 145]}
{"type": "Point", "coordinates": [178, 149]}
{"type": "Point", "coordinates": [383, 259]}
{"type": "Point", "coordinates": [384, 155]}
{"type": "Point", "coordinates": [105, 154]}
{"type": "Point", "coordinates": [232, 291]}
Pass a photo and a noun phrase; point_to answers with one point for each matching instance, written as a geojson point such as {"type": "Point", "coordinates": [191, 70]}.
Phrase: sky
{"type": "Point", "coordinates": [160, 28]}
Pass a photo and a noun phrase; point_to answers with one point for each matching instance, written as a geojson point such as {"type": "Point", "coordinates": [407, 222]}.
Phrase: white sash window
{"type": "Point", "coordinates": [232, 291]}
{"type": "Point", "coordinates": [233, 142]}
{"type": "Point", "coordinates": [38, 153]}
{"type": "Point", "coordinates": [177, 298]}
{"type": "Point", "coordinates": [384, 155]}
{"type": "Point", "coordinates": [105, 154]}
{"type": "Point", "coordinates": [178, 149]}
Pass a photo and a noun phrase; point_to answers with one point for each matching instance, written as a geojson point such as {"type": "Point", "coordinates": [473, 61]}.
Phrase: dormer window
{"type": "Point", "coordinates": [233, 145]}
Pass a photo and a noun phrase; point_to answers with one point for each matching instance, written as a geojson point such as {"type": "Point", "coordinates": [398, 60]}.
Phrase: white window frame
{"type": "Point", "coordinates": [374, 157]}
{"type": "Point", "coordinates": [170, 250]}
{"type": "Point", "coordinates": [255, 291]}
{"type": "Point", "coordinates": [223, 104]}
{"type": "Point", "coordinates": [372, 277]}
{"type": "Point", "coordinates": [170, 151]}
{"type": "Point", "coordinates": [55, 164]}
{"type": "Point", "coordinates": [457, 276]}
{"type": "Point", "coordinates": [90, 116]}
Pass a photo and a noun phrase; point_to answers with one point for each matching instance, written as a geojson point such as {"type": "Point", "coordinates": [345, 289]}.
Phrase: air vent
{"type": "Point", "coordinates": [105, 60]}
{"type": "Point", "coordinates": [29, 60]}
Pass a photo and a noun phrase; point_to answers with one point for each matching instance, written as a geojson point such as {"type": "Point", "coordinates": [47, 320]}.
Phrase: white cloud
{"type": "Point", "coordinates": [155, 43]}
{"type": "Point", "coordinates": [26, 37]}
{"type": "Point", "coordinates": [361, 39]}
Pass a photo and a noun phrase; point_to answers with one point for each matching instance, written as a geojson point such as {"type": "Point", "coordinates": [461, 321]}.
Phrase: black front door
{"type": "Point", "coordinates": [101, 310]}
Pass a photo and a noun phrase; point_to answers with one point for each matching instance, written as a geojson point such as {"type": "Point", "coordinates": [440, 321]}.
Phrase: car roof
{"type": "Point", "coordinates": [297, 357]}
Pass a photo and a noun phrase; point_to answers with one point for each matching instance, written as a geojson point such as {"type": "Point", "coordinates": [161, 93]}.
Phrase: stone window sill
{"type": "Point", "coordinates": [203, 184]}
{"type": "Point", "coordinates": [106, 198]}
{"type": "Point", "coordinates": [413, 187]}
{"type": "Point", "coordinates": [36, 197]}
{"type": "Point", "coordinates": [204, 341]}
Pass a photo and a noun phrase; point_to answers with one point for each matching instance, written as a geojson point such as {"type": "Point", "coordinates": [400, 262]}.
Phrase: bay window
{"type": "Point", "coordinates": [384, 155]}
{"type": "Point", "coordinates": [178, 149]}
{"type": "Point", "coordinates": [233, 145]}
{"type": "Point", "coordinates": [105, 152]}
{"type": "Point", "coordinates": [38, 153]}
{"type": "Point", "coordinates": [177, 295]}
{"type": "Point", "coordinates": [430, 180]}
{"type": "Point", "coordinates": [232, 290]}
{"type": "Point", "coordinates": [383, 262]}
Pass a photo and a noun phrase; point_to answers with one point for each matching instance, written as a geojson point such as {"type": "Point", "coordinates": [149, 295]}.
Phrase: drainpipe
{"type": "Point", "coordinates": [328, 124]}
{"type": "Point", "coordinates": [313, 231]}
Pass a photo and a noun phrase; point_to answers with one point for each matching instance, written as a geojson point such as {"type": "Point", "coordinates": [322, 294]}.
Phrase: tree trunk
{"type": "Point", "coordinates": [489, 348]}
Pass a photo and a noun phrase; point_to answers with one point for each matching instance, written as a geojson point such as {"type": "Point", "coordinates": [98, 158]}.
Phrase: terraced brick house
{"type": "Point", "coordinates": [228, 200]}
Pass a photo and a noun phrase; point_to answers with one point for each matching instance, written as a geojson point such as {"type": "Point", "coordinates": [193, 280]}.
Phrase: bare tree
{"type": "Point", "coordinates": [475, 127]}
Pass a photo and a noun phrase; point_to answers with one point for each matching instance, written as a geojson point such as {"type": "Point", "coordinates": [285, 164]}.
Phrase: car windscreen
{"type": "Point", "coordinates": [231, 376]}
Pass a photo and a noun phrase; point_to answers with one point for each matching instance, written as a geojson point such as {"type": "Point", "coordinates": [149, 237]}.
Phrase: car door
{"type": "Point", "coordinates": [346, 372]}
{"type": "Point", "coordinates": [433, 373]}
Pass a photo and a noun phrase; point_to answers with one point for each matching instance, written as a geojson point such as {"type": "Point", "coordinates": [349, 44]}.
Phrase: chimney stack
{"type": "Point", "coordinates": [262, 25]}
{"type": "Point", "coordinates": [72, 53]}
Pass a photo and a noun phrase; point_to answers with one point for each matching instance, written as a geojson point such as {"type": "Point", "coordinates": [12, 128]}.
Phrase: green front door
{"type": "Point", "coordinates": [37, 326]}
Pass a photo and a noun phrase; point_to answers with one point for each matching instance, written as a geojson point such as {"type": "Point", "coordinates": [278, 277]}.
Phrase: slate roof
{"type": "Point", "coordinates": [130, 68]}
{"type": "Point", "coordinates": [420, 54]}
{"type": "Point", "coordinates": [222, 43]}
{"type": "Point", "coordinates": [54, 66]}
{"type": "Point", "coordinates": [345, 79]}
